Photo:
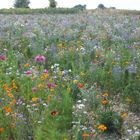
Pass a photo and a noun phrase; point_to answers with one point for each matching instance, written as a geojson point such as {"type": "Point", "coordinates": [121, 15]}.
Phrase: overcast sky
{"type": "Point", "coordinates": [91, 4]}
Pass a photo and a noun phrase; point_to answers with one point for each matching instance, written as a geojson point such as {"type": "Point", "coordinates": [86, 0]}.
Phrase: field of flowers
{"type": "Point", "coordinates": [70, 77]}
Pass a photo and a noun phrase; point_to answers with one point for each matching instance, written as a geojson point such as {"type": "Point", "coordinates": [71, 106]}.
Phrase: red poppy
{"type": "Point", "coordinates": [80, 85]}
{"type": "Point", "coordinates": [54, 113]}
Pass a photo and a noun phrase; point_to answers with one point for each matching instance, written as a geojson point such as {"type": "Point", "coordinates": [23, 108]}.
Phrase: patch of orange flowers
{"type": "Point", "coordinates": [102, 127]}
{"type": "Point", "coordinates": [6, 88]}
{"type": "Point", "coordinates": [7, 109]}
{"type": "Point", "coordinates": [26, 65]}
{"type": "Point", "coordinates": [85, 135]}
{"type": "Point", "coordinates": [104, 102]}
{"type": "Point", "coordinates": [1, 129]}
{"type": "Point", "coordinates": [44, 76]}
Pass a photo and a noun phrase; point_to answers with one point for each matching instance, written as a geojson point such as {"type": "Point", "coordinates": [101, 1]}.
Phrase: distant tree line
{"type": "Point", "coordinates": [25, 3]}
{"type": "Point", "coordinates": [21, 3]}
{"type": "Point", "coordinates": [53, 4]}
{"type": "Point", "coordinates": [80, 7]}
{"type": "Point", "coordinates": [101, 6]}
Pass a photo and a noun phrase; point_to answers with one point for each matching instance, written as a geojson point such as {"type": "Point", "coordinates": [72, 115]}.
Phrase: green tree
{"type": "Point", "coordinates": [21, 3]}
{"type": "Point", "coordinates": [52, 4]}
{"type": "Point", "coordinates": [101, 6]}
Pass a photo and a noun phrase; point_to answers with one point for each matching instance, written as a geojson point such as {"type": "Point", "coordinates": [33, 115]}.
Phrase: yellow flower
{"type": "Point", "coordinates": [60, 73]}
{"type": "Point", "coordinates": [63, 85]}
{"type": "Point", "coordinates": [68, 90]}
{"type": "Point", "coordinates": [109, 72]}
{"type": "Point", "coordinates": [82, 74]}
{"type": "Point", "coordinates": [105, 94]}
{"type": "Point", "coordinates": [126, 62]}
{"type": "Point", "coordinates": [40, 86]}
{"type": "Point", "coordinates": [128, 100]}
{"type": "Point", "coordinates": [51, 90]}
{"type": "Point", "coordinates": [75, 81]}
{"type": "Point", "coordinates": [113, 62]}
{"type": "Point", "coordinates": [135, 46]}
{"type": "Point", "coordinates": [50, 97]}
{"type": "Point", "coordinates": [124, 114]}
{"type": "Point", "coordinates": [34, 99]}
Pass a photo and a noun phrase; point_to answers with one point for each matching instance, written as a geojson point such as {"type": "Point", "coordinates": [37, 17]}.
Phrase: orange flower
{"type": "Point", "coordinates": [104, 102]}
{"type": "Point", "coordinates": [102, 127]}
{"type": "Point", "coordinates": [14, 86]}
{"type": "Point", "coordinates": [80, 85]}
{"type": "Point", "coordinates": [1, 129]}
{"type": "Point", "coordinates": [33, 78]}
{"type": "Point", "coordinates": [10, 95]}
{"type": "Point", "coordinates": [50, 97]}
{"type": "Point", "coordinates": [13, 102]}
{"type": "Point", "coordinates": [26, 65]}
{"type": "Point", "coordinates": [7, 109]}
{"type": "Point", "coordinates": [85, 135]}
{"type": "Point", "coordinates": [6, 88]}
{"type": "Point", "coordinates": [44, 76]}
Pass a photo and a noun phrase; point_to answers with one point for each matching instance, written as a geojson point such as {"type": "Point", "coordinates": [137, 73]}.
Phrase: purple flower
{"type": "Point", "coordinates": [40, 58]}
{"type": "Point", "coordinates": [129, 47]}
{"type": "Point", "coordinates": [0, 101]}
{"type": "Point", "coordinates": [131, 69]}
{"type": "Point", "coordinates": [116, 70]}
{"type": "Point", "coordinates": [2, 57]}
{"type": "Point", "coordinates": [19, 102]}
{"type": "Point", "coordinates": [51, 85]}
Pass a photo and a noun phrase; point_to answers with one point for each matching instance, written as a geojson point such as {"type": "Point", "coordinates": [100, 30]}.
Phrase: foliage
{"type": "Point", "coordinates": [21, 11]}
{"type": "Point", "coordinates": [21, 3]}
{"type": "Point", "coordinates": [52, 4]}
{"type": "Point", "coordinates": [80, 7]}
{"type": "Point", "coordinates": [111, 120]}
{"type": "Point", "coordinates": [101, 6]}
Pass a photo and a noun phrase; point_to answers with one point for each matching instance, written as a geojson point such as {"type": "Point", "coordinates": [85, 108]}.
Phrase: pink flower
{"type": "Point", "coordinates": [34, 89]}
{"type": "Point", "coordinates": [2, 57]}
{"type": "Point", "coordinates": [40, 58]}
{"type": "Point", "coordinates": [28, 72]}
{"type": "Point", "coordinates": [46, 71]}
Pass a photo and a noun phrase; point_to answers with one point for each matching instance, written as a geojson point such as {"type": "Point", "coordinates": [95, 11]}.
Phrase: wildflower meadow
{"type": "Point", "coordinates": [70, 76]}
